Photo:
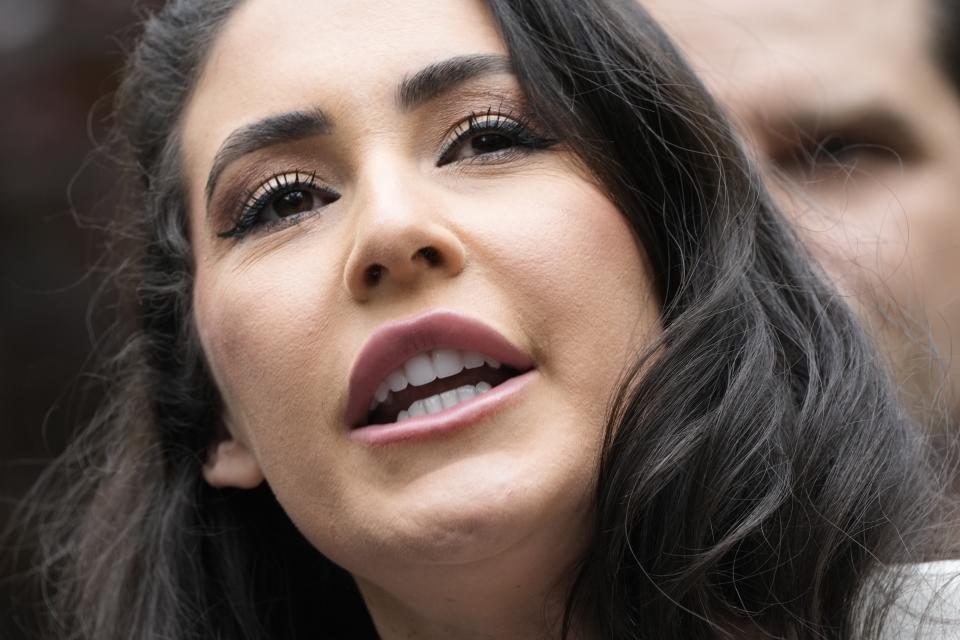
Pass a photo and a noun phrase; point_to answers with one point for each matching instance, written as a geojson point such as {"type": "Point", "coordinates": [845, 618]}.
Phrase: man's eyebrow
{"type": "Point", "coordinates": [273, 130]}
{"type": "Point", "coordinates": [873, 117]}
{"type": "Point", "coordinates": [423, 86]}
{"type": "Point", "coordinates": [440, 77]}
{"type": "Point", "coordinates": [871, 121]}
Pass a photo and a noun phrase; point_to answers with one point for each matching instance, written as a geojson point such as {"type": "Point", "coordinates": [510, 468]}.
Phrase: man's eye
{"type": "Point", "coordinates": [839, 149]}
{"type": "Point", "coordinates": [488, 137]}
{"type": "Point", "coordinates": [835, 154]}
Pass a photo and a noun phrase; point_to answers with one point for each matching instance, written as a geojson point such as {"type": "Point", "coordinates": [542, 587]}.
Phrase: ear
{"type": "Point", "coordinates": [231, 464]}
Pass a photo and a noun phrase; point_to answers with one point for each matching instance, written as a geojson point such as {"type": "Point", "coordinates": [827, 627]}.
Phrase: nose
{"type": "Point", "coordinates": [400, 243]}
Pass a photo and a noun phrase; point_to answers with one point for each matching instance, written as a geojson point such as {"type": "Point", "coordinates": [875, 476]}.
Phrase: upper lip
{"type": "Point", "coordinates": [393, 344]}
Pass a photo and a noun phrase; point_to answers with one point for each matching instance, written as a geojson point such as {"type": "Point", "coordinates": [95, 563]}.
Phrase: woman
{"type": "Point", "coordinates": [469, 320]}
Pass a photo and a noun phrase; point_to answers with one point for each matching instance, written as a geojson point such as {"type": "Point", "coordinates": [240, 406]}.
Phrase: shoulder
{"type": "Point", "coordinates": [928, 607]}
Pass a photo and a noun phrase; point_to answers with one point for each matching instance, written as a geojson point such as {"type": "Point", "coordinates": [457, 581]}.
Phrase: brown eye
{"type": "Point", "coordinates": [490, 143]}
{"type": "Point", "coordinates": [820, 158]}
{"type": "Point", "coordinates": [293, 202]}
{"type": "Point", "coordinates": [479, 144]}
{"type": "Point", "coordinates": [286, 197]}
{"type": "Point", "coordinates": [491, 137]}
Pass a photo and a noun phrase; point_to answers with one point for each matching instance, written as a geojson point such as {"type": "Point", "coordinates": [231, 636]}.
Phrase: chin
{"type": "Point", "coordinates": [467, 516]}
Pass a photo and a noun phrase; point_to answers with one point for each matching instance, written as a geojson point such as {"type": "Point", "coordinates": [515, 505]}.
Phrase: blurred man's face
{"type": "Point", "coordinates": [858, 128]}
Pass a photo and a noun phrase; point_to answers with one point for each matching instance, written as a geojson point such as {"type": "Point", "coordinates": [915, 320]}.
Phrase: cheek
{"type": "Point", "coordinates": [933, 236]}
{"type": "Point", "coordinates": [269, 332]}
{"type": "Point", "coordinates": [887, 240]}
{"type": "Point", "coordinates": [891, 245]}
{"type": "Point", "coordinates": [262, 329]}
{"type": "Point", "coordinates": [584, 282]}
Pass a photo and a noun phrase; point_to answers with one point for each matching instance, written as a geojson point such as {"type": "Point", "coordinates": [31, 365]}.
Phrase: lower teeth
{"type": "Point", "coordinates": [442, 401]}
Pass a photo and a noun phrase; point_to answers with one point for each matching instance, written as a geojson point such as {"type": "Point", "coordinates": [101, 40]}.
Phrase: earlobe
{"type": "Point", "coordinates": [231, 464]}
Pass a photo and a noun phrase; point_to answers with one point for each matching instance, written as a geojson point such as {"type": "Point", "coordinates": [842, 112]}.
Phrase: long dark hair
{"type": "Point", "coordinates": [757, 471]}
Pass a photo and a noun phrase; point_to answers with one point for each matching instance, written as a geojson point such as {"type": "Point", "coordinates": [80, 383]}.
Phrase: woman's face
{"type": "Point", "coordinates": [335, 189]}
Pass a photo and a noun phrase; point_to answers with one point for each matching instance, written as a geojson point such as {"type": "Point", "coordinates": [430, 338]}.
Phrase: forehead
{"type": "Point", "coordinates": [774, 54]}
{"type": "Point", "coordinates": [344, 56]}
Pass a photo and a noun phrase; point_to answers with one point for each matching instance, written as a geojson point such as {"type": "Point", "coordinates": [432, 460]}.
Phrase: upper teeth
{"type": "Point", "coordinates": [424, 368]}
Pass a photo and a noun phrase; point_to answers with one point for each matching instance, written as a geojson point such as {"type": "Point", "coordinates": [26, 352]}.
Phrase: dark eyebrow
{"type": "Point", "coordinates": [875, 118]}
{"type": "Point", "coordinates": [867, 120]}
{"type": "Point", "coordinates": [274, 130]}
{"type": "Point", "coordinates": [440, 77]}
{"type": "Point", "coordinates": [424, 85]}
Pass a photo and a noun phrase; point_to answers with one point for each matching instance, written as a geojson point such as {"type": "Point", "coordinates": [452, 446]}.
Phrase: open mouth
{"type": "Point", "coordinates": [431, 363]}
{"type": "Point", "coordinates": [433, 381]}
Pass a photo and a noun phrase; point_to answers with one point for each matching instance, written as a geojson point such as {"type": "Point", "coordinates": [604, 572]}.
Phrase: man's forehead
{"type": "Point", "coordinates": [776, 54]}
{"type": "Point", "coordinates": [736, 25]}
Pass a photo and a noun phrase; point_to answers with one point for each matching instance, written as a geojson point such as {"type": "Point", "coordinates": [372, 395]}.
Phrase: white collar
{"type": "Point", "coordinates": [929, 604]}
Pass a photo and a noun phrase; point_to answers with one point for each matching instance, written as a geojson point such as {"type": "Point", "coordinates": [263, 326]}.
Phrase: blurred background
{"type": "Point", "coordinates": [59, 62]}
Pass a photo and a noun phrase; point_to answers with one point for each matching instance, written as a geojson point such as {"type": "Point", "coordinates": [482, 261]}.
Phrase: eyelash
{"type": "Point", "coordinates": [267, 194]}
{"type": "Point", "coordinates": [491, 121]}
{"type": "Point", "coordinates": [517, 130]}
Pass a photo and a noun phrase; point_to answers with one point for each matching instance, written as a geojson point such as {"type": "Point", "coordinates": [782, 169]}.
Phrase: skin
{"type": "Point", "coordinates": [469, 535]}
{"type": "Point", "coordinates": [877, 204]}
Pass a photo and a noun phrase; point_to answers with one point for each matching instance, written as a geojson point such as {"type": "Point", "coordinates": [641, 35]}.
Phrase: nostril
{"type": "Point", "coordinates": [373, 274]}
{"type": "Point", "coordinates": [431, 255]}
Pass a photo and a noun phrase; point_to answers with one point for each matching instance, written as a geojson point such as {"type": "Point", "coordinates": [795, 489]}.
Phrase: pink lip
{"type": "Point", "coordinates": [395, 343]}
{"type": "Point", "coordinates": [458, 417]}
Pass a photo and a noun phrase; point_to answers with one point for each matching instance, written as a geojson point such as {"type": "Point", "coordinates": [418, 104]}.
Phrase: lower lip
{"type": "Point", "coordinates": [449, 420]}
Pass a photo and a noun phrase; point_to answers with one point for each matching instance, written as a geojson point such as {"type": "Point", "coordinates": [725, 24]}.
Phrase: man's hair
{"type": "Point", "coordinates": [946, 39]}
